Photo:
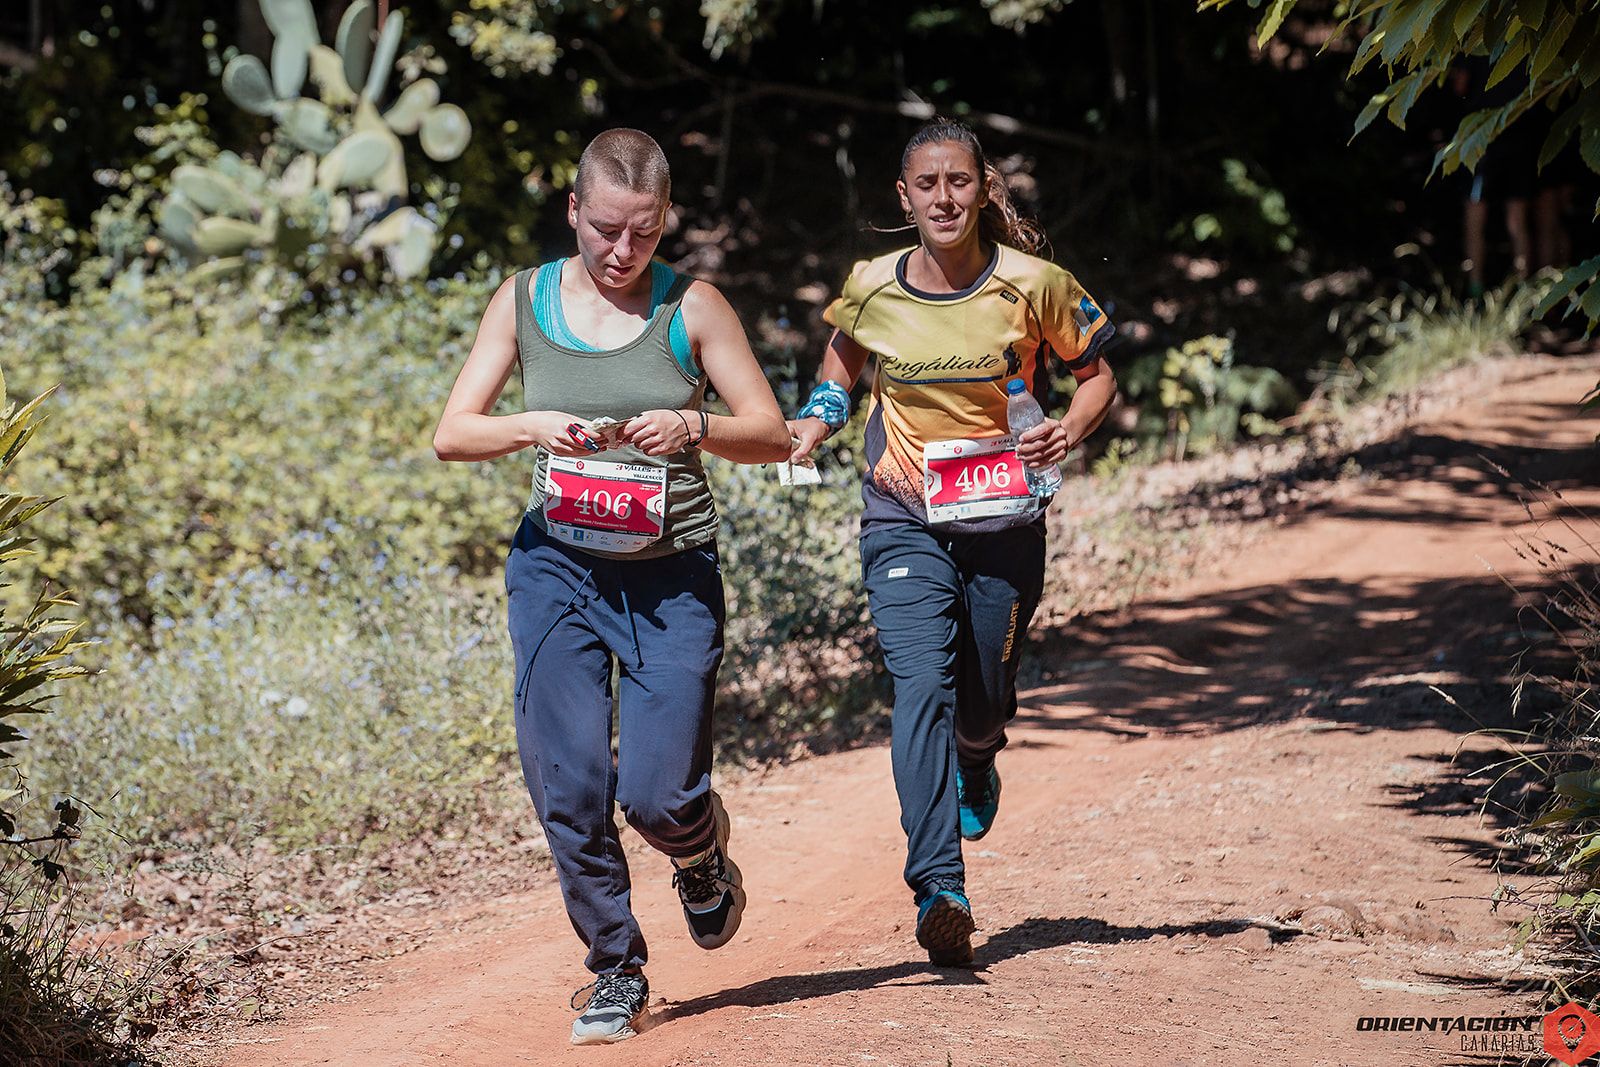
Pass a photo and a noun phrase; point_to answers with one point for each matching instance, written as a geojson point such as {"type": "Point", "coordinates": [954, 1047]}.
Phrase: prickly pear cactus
{"type": "Point", "coordinates": [329, 189]}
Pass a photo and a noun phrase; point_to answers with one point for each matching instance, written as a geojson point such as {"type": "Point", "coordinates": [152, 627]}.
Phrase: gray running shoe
{"type": "Point", "coordinates": [616, 1003]}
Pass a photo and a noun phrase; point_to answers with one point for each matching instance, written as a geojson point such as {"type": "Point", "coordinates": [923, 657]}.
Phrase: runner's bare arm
{"type": "Point", "coordinates": [1097, 391]}
{"type": "Point", "coordinates": [1052, 439]}
{"type": "Point", "coordinates": [754, 432]}
{"type": "Point", "coordinates": [466, 430]}
{"type": "Point", "coordinates": [841, 363]}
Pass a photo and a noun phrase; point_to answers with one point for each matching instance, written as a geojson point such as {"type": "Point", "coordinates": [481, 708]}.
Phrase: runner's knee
{"type": "Point", "coordinates": [665, 817]}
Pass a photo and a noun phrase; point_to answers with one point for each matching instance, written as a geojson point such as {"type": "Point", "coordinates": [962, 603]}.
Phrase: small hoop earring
{"type": "Point", "coordinates": [911, 217]}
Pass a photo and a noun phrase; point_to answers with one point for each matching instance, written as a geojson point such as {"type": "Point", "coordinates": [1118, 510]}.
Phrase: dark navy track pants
{"type": "Point", "coordinates": [952, 612]}
{"type": "Point", "coordinates": [574, 617]}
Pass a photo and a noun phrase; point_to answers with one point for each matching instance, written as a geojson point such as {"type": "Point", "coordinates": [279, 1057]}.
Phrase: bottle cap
{"type": "Point", "coordinates": [1015, 386]}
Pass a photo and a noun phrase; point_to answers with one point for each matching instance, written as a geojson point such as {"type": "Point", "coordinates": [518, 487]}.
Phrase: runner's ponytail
{"type": "Point", "coordinates": [999, 221]}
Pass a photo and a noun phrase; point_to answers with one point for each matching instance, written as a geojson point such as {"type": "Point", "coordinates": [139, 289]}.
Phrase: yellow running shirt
{"type": "Point", "coordinates": [944, 360]}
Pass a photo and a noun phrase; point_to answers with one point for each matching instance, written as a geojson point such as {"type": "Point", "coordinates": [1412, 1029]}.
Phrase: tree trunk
{"type": "Point", "coordinates": [1152, 106]}
{"type": "Point", "coordinates": [1114, 16]}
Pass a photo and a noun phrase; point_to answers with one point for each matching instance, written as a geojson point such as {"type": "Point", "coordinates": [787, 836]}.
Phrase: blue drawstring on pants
{"type": "Point", "coordinates": [521, 692]}
{"type": "Point", "coordinates": [633, 628]}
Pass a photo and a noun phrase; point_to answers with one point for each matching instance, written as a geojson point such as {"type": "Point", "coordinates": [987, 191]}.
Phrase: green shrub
{"type": "Point", "coordinates": [36, 245]}
{"type": "Point", "coordinates": [1560, 752]}
{"type": "Point", "coordinates": [1249, 216]}
{"type": "Point", "coordinates": [206, 432]}
{"type": "Point", "coordinates": [799, 667]}
{"type": "Point", "coordinates": [38, 642]}
{"type": "Point", "coordinates": [353, 709]}
{"type": "Point", "coordinates": [1396, 343]}
{"type": "Point", "coordinates": [61, 1005]}
{"type": "Point", "coordinates": [1195, 399]}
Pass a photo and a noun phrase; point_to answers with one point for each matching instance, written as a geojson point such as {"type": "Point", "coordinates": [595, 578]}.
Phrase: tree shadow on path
{"type": "Point", "coordinates": [1360, 651]}
{"type": "Point", "coordinates": [1397, 632]}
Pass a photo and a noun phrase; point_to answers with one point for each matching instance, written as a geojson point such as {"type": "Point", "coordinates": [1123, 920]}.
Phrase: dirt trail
{"type": "Point", "coordinates": [1231, 827]}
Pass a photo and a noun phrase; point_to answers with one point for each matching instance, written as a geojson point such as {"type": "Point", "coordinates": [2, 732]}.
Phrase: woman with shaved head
{"type": "Point", "coordinates": [614, 566]}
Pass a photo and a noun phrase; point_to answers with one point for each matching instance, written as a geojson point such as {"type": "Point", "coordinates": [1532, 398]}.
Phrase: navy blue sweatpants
{"type": "Point", "coordinates": [952, 612]}
{"type": "Point", "coordinates": [659, 621]}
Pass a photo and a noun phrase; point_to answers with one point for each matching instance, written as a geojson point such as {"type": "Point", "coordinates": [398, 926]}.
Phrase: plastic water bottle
{"type": "Point", "coordinates": [1023, 413]}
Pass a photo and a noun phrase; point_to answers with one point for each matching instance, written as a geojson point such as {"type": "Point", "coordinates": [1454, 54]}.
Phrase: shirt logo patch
{"type": "Point", "coordinates": [899, 572]}
{"type": "Point", "coordinates": [1086, 314]}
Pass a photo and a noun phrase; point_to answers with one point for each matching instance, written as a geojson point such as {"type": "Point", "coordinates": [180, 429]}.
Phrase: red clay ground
{"type": "Point", "coordinates": [1231, 827]}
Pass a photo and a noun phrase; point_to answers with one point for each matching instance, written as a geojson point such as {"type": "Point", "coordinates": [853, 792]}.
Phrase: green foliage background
{"type": "Point", "coordinates": [203, 432]}
{"type": "Point", "coordinates": [299, 605]}
{"type": "Point", "coordinates": [783, 122]}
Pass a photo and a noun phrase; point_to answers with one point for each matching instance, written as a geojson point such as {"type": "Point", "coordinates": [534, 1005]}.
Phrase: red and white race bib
{"type": "Point", "coordinates": [617, 507]}
{"type": "Point", "coordinates": [974, 479]}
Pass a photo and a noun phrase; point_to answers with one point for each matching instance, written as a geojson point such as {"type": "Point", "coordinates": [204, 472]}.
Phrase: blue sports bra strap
{"type": "Point", "coordinates": [677, 331]}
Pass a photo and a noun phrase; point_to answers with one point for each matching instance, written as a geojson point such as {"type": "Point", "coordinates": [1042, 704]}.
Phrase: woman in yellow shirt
{"type": "Point", "coordinates": [952, 538]}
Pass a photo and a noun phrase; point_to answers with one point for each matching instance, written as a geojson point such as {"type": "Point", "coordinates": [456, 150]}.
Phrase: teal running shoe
{"type": "Point", "coordinates": [978, 794]}
{"type": "Point", "coordinates": [945, 927]}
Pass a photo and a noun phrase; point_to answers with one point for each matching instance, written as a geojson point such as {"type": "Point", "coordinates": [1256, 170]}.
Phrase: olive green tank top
{"type": "Point", "coordinates": [620, 382]}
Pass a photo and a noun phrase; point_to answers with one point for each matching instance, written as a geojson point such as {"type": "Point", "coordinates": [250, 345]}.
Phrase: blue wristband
{"type": "Point", "coordinates": [829, 402]}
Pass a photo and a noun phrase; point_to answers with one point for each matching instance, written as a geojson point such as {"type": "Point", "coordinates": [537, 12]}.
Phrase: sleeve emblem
{"type": "Point", "coordinates": [1086, 314]}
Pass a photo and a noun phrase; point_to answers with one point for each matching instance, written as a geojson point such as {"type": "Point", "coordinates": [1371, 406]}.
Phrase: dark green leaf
{"type": "Point", "coordinates": [1276, 10]}
{"type": "Point", "coordinates": [1370, 112]}
{"type": "Point", "coordinates": [1589, 145]}
{"type": "Point", "coordinates": [1570, 280]}
{"type": "Point", "coordinates": [1551, 42]}
{"type": "Point", "coordinates": [1442, 38]}
{"type": "Point", "coordinates": [1471, 138]}
{"type": "Point", "coordinates": [1365, 53]}
{"type": "Point", "coordinates": [1497, 25]}
{"type": "Point", "coordinates": [1590, 849]}
{"type": "Point", "coordinates": [1468, 16]}
{"type": "Point", "coordinates": [1560, 133]}
{"type": "Point", "coordinates": [1578, 785]}
{"type": "Point", "coordinates": [1406, 91]}
{"type": "Point", "coordinates": [1588, 63]}
{"type": "Point", "coordinates": [1590, 302]}
{"type": "Point", "coordinates": [1511, 58]}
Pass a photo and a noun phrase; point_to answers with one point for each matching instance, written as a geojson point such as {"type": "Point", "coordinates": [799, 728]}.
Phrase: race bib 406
{"type": "Point", "coordinates": [968, 479]}
{"type": "Point", "coordinates": [618, 507]}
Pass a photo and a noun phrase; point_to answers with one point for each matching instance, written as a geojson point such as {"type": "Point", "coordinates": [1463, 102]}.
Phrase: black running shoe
{"type": "Point", "coordinates": [614, 1009]}
{"type": "Point", "coordinates": [712, 890]}
{"type": "Point", "coordinates": [945, 928]}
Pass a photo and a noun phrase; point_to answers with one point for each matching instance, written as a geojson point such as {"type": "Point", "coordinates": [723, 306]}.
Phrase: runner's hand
{"type": "Point", "coordinates": [660, 432]}
{"type": "Point", "coordinates": [549, 432]}
{"type": "Point", "coordinates": [811, 432]}
{"type": "Point", "coordinates": [1043, 444]}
